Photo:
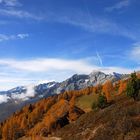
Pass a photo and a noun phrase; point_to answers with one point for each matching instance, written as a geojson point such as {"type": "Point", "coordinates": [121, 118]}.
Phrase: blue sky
{"type": "Point", "coordinates": [44, 40]}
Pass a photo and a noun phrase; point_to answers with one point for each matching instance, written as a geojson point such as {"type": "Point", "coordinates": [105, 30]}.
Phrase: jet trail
{"type": "Point", "coordinates": [99, 58]}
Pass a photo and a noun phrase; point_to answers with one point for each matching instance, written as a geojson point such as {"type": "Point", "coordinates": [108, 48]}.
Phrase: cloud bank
{"type": "Point", "coordinates": [56, 64]}
{"type": "Point", "coordinates": [23, 72]}
{"type": "Point", "coordinates": [25, 96]}
{"type": "Point", "coordinates": [14, 72]}
{"type": "Point", "coordinates": [3, 98]}
{"type": "Point", "coordinates": [30, 92]}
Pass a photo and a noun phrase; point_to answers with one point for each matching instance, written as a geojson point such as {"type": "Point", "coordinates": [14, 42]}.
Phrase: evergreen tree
{"type": "Point", "coordinates": [102, 101]}
{"type": "Point", "coordinates": [133, 86]}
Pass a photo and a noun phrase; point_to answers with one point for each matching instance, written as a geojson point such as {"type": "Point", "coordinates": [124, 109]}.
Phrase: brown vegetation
{"type": "Point", "coordinates": [120, 121]}
{"type": "Point", "coordinates": [47, 116]}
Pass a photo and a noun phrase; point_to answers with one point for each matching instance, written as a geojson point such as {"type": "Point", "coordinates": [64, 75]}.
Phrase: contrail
{"type": "Point", "coordinates": [99, 58]}
{"type": "Point", "coordinates": [90, 22]}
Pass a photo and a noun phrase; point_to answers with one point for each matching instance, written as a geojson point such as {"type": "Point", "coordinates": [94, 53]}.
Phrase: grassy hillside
{"type": "Point", "coordinates": [120, 121]}
{"type": "Point", "coordinates": [86, 102]}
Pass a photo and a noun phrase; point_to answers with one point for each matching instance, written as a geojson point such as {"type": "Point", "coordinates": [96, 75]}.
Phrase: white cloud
{"type": "Point", "coordinates": [119, 5]}
{"type": "Point", "coordinates": [25, 96]}
{"type": "Point", "coordinates": [54, 64]}
{"type": "Point", "coordinates": [81, 19]}
{"type": "Point", "coordinates": [19, 14]}
{"type": "Point", "coordinates": [22, 36]}
{"type": "Point", "coordinates": [134, 53]}
{"type": "Point", "coordinates": [19, 72]}
{"type": "Point", "coordinates": [4, 37]}
{"type": "Point", "coordinates": [47, 64]}
{"type": "Point", "coordinates": [10, 82]}
{"type": "Point", "coordinates": [10, 2]}
{"type": "Point", "coordinates": [10, 9]}
{"type": "Point", "coordinates": [44, 81]}
{"type": "Point", "coordinates": [97, 25]}
{"type": "Point", "coordinates": [23, 72]}
{"type": "Point", "coordinates": [112, 69]}
{"type": "Point", "coordinates": [3, 98]}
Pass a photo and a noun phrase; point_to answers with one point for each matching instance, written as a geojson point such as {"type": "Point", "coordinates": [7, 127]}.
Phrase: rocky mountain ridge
{"type": "Point", "coordinates": [15, 98]}
{"type": "Point", "coordinates": [76, 82]}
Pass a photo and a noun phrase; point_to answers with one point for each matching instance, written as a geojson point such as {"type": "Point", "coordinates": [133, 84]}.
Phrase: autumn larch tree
{"type": "Point", "coordinates": [108, 89]}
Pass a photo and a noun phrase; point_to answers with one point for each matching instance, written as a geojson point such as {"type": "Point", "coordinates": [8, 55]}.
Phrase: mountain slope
{"type": "Point", "coordinates": [120, 121]}
{"type": "Point", "coordinates": [60, 116]}
{"type": "Point", "coordinates": [22, 95]}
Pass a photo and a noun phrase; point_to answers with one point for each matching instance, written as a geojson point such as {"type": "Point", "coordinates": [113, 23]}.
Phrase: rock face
{"type": "Point", "coordinates": [77, 82]}
{"type": "Point", "coordinates": [75, 113]}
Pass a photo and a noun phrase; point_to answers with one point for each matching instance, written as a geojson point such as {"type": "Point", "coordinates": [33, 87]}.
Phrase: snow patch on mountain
{"type": "Point", "coordinates": [30, 92]}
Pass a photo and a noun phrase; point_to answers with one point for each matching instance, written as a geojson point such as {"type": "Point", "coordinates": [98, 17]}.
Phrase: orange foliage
{"type": "Point", "coordinates": [72, 102]}
{"type": "Point", "coordinates": [42, 117]}
{"type": "Point", "coordinates": [97, 89]}
{"type": "Point", "coordinates": [108, 89]}
{"type": "Point", "coordinates": [122, 87]}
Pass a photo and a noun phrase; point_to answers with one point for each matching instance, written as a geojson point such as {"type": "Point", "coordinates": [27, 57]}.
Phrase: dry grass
{"type": "Point", "coordinates": [86, 102]}
{"type": "Point", "coordinates": [120, 121]}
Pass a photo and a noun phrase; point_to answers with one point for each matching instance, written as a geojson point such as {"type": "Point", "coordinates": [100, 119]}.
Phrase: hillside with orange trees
{"type": "Point", "coordinates": [49, 116]}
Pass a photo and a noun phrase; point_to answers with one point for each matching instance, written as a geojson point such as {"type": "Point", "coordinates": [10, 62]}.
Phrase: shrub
{"type": "Point", "coordinates": [102, 101]}
{"type": "Point", "coordinates": [94, 105]}
{"type": "Point", "coordinates": [133, 86]}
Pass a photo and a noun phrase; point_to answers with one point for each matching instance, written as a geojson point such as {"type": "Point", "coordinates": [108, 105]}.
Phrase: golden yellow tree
{"type": "Point", "coordinates": [108, 90]}
{"type": "Point", "coordinates": [122, 87]}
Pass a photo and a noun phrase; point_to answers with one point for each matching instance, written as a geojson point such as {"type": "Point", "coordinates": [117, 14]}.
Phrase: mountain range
{"type": "Point", "coordinates": [15, 98]}
{"type": "Point", "coordinates": [77, 108]}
